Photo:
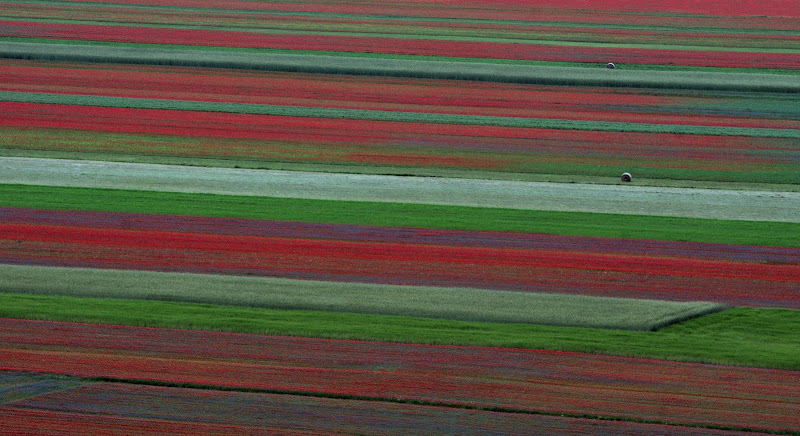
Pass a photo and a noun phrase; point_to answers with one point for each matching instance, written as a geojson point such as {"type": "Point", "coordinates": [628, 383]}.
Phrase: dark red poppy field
{"type": "Point", "coordinates": [363, 217]}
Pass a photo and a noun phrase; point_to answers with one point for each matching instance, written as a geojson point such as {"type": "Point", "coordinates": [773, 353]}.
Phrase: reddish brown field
{"type": "Point", "coordinates": [528, 381]}
{"type": "Point", "coordinates": [381, 93]}
{"type": "Point", "coordinates": [111, 408]}
{"type": "Point", "coordinates": [729, 274]}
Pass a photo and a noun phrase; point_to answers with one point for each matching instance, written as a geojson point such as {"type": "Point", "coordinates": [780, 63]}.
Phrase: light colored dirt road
{"type": "Point", "coordinates": [621, 199]}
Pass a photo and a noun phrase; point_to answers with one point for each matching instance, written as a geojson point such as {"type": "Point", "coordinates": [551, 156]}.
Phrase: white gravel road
{"type": "Point", "coordinates": [622, 199]}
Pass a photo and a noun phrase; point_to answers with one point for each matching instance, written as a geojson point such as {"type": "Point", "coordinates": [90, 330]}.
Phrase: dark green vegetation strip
{"type": "Point", "coordinates": [479, 71]}
{"type": "Point", "coordinates": [404, 215]}
{"type": "Point", "coordinates": [392, 116]}
{"type": "Point", "coordinates": [427, 302]}
{"type": "Point", "coordinates": [768, 338]}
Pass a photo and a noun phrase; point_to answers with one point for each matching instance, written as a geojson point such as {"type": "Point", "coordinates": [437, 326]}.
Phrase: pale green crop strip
{"type": "Point", "coordinates": [391, 116]}
{"type": "Point", "coordinates": [459, 304]}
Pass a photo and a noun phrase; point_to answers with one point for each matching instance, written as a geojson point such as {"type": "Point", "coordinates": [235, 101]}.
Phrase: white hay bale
{"type": "Point", "coordinates": [610, 66]}
{"type": "Point", "coordinates": [626, 177]}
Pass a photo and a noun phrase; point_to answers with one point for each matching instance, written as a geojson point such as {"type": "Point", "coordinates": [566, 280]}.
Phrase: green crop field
{"type": "Point", "coordinates": [736, 336]}
{"type": "Point", "coordinates": [403, 215]}
{"type": "Point", "coordinates": [414, 301]}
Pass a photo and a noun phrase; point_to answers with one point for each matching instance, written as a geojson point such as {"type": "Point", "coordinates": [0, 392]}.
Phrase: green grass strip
{"type": "Point", "coordinates": [404, 215]}
{"type": "Point", "coordinates": [461, 304]}
{"type": "Point", "coordinates": [768, 338]}
{"type": "Point", "coordinates": [392, 116]}
{"type": "Point", "coordinates": [363, 64]}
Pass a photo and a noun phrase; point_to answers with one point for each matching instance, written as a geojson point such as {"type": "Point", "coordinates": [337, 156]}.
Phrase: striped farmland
{"type": "Point", "coordinates": [380, 217]}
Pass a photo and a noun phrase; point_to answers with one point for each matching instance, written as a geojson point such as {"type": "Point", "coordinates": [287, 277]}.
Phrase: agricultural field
{"type": "Point", "coordinates": [364, 217]}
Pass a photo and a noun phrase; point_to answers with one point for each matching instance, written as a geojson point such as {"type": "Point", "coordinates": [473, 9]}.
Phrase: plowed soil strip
{"type": "Point", "coordinates": [526, 380]}
{"type": "Point", "coordinates": [619, 199]}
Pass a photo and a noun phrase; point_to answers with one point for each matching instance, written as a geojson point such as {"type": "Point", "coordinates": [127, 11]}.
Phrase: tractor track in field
{"type": "Point", "coordinates": [573, 197]}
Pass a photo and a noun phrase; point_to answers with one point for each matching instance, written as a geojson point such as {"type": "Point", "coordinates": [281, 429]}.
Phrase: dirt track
{"type": "Point", "coordinates": [621, 199]}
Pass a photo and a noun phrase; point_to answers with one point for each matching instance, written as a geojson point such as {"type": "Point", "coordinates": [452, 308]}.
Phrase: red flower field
{"type": "Point", "coordinates": [386, 94]}
{"type": "Point", "coordinates": [701, 101]}
{"type": "Point", "coordinates": [728, 274]}
{"type": "Point", "coordinates": [404, 46]}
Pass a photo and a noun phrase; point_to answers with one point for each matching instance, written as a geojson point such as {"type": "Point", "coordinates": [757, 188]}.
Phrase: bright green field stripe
{"type": "Point", "coordinates": [741, 336]}
{"type": "Point", "coordinates": [432, 37]}
{"type": "Point", "coordinates": [461, 304]}
{"type": "Point", "coordinates": [404, 215]}
{"type": "Point", "coordinates": [392, 116]}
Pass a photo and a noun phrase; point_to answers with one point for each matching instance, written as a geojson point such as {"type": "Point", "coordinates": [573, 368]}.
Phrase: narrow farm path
{"type": "Point", "coordinates": [619, 199]}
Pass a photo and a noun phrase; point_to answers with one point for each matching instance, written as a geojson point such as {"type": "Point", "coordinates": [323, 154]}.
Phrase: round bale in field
{"type": "Point", "coordinates": [626, 177]}
{"type": "Point", "coordinates": [610, 66]}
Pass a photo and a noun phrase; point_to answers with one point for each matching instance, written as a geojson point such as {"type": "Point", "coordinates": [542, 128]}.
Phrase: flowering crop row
{"type": "Point", "coordinates": [775, 15]}
{"type": "Point", "coordinates": [390, 116]}
{"type": "Point", "coordinates": [409, 235]}
{"type": "Point", "coordinates": [548, 267]}
{"type": "Point", "coordinates": [391, 143]}
{"type": "Point", "coordinates": [516, 9]}
{"type": "Point", "coordinates": [303, 139]}
{"type": "Point", "coordinates": [400, 27]}
{"type": "Point", "coordinates": [552, 382]}
{"type": "Point", "coordinates": [391, 94]}
{"type": "Point", "coordinates": [404, 46]}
